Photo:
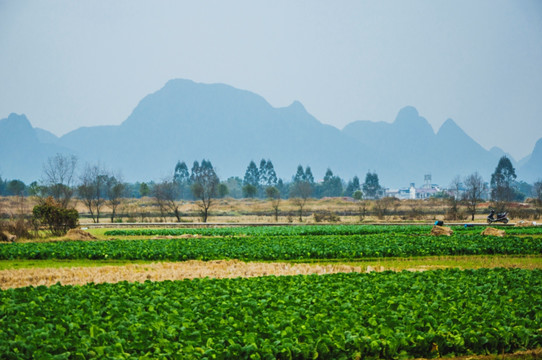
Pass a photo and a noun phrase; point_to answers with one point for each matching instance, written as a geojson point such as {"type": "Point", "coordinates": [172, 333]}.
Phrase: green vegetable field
{"type": "Point", "coordinates": [341, 316]}
{"type": "Point", "coordinates": [391, 315]}
{"type": "Point", "coordinates": [280, 247]}
{"type": "Point", "coordinates": [312, 230]}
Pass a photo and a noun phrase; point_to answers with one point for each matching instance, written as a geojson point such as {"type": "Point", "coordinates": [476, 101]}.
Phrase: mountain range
{"type": "Point", "coordinates": [189, 121]}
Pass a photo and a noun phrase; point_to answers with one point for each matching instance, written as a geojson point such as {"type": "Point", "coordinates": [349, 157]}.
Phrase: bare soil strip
{"type": "Point", "coordinates": [162, 271]}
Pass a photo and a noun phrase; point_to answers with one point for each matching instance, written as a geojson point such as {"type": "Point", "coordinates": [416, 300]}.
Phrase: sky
{"type": "Point", "coordinates": [67, 64]}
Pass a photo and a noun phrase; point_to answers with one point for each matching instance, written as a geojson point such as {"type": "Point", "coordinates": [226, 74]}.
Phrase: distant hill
{"type": "Point", "coordinates": [531, 169]}
{"type": "Point", "coordinates": [188, 121]}
{"type": "Point", "coordinates": [22, 155]}
{"type": "Point", "coordinates": [411, 143]}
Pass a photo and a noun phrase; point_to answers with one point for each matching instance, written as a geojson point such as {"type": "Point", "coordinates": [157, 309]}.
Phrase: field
{"type": "Point", "coordinates": [302, 292]}
{"type": "Point", "coordinates": [234, 211]}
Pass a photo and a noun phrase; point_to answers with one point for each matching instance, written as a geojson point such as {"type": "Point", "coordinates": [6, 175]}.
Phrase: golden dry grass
{"type": "Point", "coordinates": [82, 274]}
{"type": "Point", "coordinates": [162, 271]}
{"type": "Point", "coordinates": [229, 210]}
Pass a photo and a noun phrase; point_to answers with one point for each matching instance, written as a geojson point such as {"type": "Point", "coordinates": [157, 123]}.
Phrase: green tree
{"type": "Point", "coordinates": [205, 183]}
{"type": "Point", "coordinates": [53, 215]}
{"type": "Point", "coordinates": [299, 175]}
{"type": "Point", "coordinates": [144, 189]}
{"type": "Point", "coordinates": [16, 188]}
{"type": "Point", "coordinates": [371, 187]}
{"type": "Point", "coordinates": [235, 187]}
{"type": "Point", "coordinates": [268, 177]}
{"type": "Point", "coordinates": [308, 175]}
{"type": "Point", "coordinates": [35, 189]}
{"type": "Point", "coordinates": [332, 185]}
{"type": "Point", "coordinates": [352, 186]}
{"type": "Point", "coordinates": [251, 181]}
{"type": "Point", "coordinates": [502, 179]}
{"type": "Point", "coordinates": [249, 191]}
{"type": "Point", "coordinates": [181, 177]}
{"type": "Point", "coordinates": [223, 190]}
{"type": "Point", "coordinates": [252, 175]}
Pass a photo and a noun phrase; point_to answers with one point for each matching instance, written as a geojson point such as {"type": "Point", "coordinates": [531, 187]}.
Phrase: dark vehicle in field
{"type": "Point", "coordinates": [501, 217]}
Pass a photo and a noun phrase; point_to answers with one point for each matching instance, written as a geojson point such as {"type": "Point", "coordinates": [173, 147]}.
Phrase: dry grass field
{"type": "Point", "coordinates": [21, 275]}
{"type": "Point", "coordinates": [229, 210]}
{"type": "Point", "coordinates": [161, 271]}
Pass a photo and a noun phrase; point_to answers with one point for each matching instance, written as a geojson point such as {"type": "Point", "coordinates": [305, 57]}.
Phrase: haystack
{"type": "Point", "coordinates": [78, 234]}
{"type": "Point", "coordinates": [5, 236]}
{"type": "Point", "coordinates": [441, 230]}
{"type": "Point", "coordinates": [493, 232]}
{"type": "Point", "coordinates": [525, 223]}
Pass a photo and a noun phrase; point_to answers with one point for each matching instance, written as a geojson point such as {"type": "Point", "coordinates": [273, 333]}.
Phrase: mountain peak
{"type": "Point", "coordinates": [531, 170]}
{"type": "Point", "coordinates": [409, 120]}
{"type": "Point", "coordinates": [16, 130]}
{"type": "Point", "coordinates": [297, 107]}
{"type": "Point", "coordinates": [450, 126]}
{"type": "Point", "coordinates": [537, 151]}
{"type": "Point", "coordinates": [16, 122]}
{"type": "Point", "coordinates": [407, 114]}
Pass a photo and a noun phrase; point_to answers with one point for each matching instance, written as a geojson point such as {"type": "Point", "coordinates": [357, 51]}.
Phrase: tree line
{"type": "Point", "coordinates": [97, 187]}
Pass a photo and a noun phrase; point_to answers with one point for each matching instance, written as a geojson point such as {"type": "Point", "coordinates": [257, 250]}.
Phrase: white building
{"type": "Point", "coordinates": [412, 192]}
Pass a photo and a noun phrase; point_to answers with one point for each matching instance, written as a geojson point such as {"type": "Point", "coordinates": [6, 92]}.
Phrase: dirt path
{"type": "Point", "coordinates": [161, 271]}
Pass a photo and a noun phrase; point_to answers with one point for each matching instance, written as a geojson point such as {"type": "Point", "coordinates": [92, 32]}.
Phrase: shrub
{"type": "Point", "coordinates": [326, 216]}
{"type": "Point", "coordinates": [57, 219]}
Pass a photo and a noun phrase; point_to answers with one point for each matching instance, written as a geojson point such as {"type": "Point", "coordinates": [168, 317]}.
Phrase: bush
{"type": "Point", "coordinates": [57, 219]}
{"type": "Point", "coordinates": [326, 216]}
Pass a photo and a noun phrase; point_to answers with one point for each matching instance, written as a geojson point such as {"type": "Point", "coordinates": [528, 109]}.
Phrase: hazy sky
{"type": "Point", "coordinates": [67, 64]}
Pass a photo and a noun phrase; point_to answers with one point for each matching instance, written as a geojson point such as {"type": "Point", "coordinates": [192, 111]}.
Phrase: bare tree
{"type": "Point", "coordinates": [382, 206]}
{"type": "Point", "coordinates": [92, 189]}
{"type": "Point", "coordinates": [362, 205]}
{"type": "Point", "coordinates": [116, 190]}
{"type": "Point", "coordinates": [455, 189]}
{"type": "Point", "coordinates": [59, 177]}
{"type": "Point", "coordinates": [301, 191]}
{"type": "Point", "coordinates": [205, 183]}
{"type": "Point", "coordinates": [475, 188]}
{"type": "Point", "coordinates": [273, 194]}
{"type": "Point", "coordinates": [166, 193]}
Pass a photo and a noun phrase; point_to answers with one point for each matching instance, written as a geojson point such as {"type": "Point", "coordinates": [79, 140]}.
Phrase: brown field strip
{"type": "Point", "coordinates": [79, 274]}
{"type": "Point", "coordinates": [161, 271]}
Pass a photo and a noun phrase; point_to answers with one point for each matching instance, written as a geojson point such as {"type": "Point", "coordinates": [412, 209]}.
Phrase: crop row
{"type": "Point", "coordinates": [275, 230]}
{"type": "Point", "coordinates": [275, 248]}
{"type": "Point", "coordinates": [340, 316]}
{"type": "Point", "coordinates": [311, 230]}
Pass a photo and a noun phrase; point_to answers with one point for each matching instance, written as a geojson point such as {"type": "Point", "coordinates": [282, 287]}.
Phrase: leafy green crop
{"type": "Point", "coordinates": [278, 230]}
{"type": "Point", "coordinates": [340, 316]}
{"type": "Point", "coordinates": [314, 230]}
{"type": "Point", "coordinates": [296, 247]}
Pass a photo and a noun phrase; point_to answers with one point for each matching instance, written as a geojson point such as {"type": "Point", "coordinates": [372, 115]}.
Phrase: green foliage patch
{"type": "Point", "coordinates": [295, 247]}
{"type": "Point", "coordinates": [340, 316]}
{"type": "Point", "coordinates": [277, 230]}
{"type": "Point", "coordinates": [314, 230]}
